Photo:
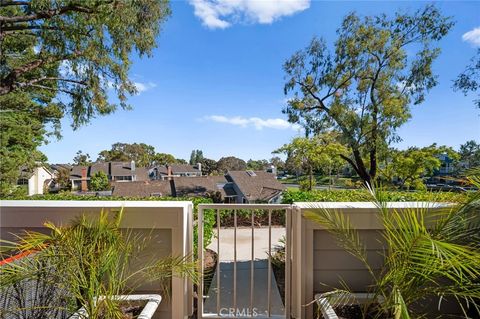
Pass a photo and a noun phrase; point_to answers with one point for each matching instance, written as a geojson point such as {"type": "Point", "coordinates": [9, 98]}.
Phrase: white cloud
{"type": "Point", "coordinates": [142, 87]}
{"type": "Point", "coordinates": [220, 14]}
{"type": "Point", "coordinates": [255, 122]}
{"type": "Point", "coordinates": [472, 37]}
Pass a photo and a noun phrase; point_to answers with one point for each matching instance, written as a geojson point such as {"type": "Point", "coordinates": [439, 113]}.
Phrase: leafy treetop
{"type": "Point", "coordinates": [365, 86]}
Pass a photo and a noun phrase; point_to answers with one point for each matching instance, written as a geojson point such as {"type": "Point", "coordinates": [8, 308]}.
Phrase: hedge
{"type": "Point", "coordinates": [361, 195]}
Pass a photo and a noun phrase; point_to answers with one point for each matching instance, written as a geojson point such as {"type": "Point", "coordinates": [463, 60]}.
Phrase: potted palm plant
{"type": "Point", "coordinates": [93, 264]}
{"type": "Point", "coordinates": [427, 253]}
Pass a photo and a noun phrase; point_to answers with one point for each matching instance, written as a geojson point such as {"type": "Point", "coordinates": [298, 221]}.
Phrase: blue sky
{"type": "Point", "coordinates": [215, 82]}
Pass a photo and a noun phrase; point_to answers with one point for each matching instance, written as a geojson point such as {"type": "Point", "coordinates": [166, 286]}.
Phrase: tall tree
{"type": "Point", "coordinates": [469, 80]}
{"type": "Point", "coordinates": [60, 58]}
{"type": "Point", "coordinates": [311, 154]}
{"type": "Point", "coordinates": [366, 86]}
{"type": "Point", "coordinates": [82, 159]}
{"type": "Point", "coordinates": [209, 166]}
{"type": "Point", "coordinates": [257, 165]}
{"type": "Point", "coordinates": [231, 163]}
{"type": "Point", "coordinates": [143, 154]}
{"type": "Point", "coordinates": [163, 159]}
{"type": "Point", "coordinates": [196, 157]}
{"type": "Point", "coordinates": [470, 154]}
{"type": "Point", "coordinates": [278, 162]}
{"type": "Point", "coordinates": [412, 165]}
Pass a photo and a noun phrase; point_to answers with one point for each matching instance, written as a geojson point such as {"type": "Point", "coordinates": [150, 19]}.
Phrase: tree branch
{"type": "Point", "coordinates": [47, 14]}
{"type": "Point", "coordinates": [7, 84]}
{"type": "Point", "coordinates": [14, 3]}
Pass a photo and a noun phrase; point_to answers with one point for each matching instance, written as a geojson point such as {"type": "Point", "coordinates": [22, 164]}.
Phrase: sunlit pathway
{"type": "Point", "coordinates": [244, 253]}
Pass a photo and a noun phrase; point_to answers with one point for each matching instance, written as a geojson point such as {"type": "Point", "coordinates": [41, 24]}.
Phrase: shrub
{"type": "Point", "coordinates": [99, 182]}
{"type": "Point", "coordinates": [360, 195]}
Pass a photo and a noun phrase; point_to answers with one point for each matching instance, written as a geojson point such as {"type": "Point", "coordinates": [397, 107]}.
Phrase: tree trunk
{"type": "Point", "coordinates": [310, 172]}
{"type": "Point", "coordinates": [361, 169]}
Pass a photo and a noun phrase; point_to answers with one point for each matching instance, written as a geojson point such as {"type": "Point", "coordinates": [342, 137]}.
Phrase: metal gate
{"type": "Point", "coordinates": [227, 304]}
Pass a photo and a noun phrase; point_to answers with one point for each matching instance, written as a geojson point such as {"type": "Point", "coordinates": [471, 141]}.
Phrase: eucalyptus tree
{"type": "Point", "coordinates": [469, 80]}
{"type": "Point", "coordinates": [378, 68]}
{"type": "Point", "coordinates": [64, 58]}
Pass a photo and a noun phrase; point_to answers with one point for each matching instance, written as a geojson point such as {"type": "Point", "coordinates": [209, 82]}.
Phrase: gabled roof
{"type": "Point", "coordinates": [183, 168]}
{"type": "Point", "coordinates": [142, 189]}
{"type": "Point", "coordinates": [184, 187]}
{"type": "Point", "coordinates": [57, 167]}
{"type": "Point", "coordinates": [257, 185]}
{"type": "Point", "coordinates": [111, 169]}
{"type": "Point", "coordinates": [177, 169]}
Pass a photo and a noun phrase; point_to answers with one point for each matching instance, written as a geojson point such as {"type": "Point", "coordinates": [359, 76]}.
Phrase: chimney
{"type": "Point", "coordinates": [169, 172]}
{"type": "Point", "coordinates": [173, 189]}
{"type": "Point", "coordinates": [132, 166]}
{"type": "Point", "coordinates": [84, 187]}
{"type": "Point", "coordinates": [199, 167]}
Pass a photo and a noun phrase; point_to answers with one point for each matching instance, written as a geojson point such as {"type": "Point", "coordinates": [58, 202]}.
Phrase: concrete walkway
{"type": "Point", "coordinates": [260, 295]}
{"type": "Point", "coordinates": [244, 242]}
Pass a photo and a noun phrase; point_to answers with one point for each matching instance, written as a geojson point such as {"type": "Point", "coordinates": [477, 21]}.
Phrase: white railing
{"type": "Point", "coordinates": [232, 209]}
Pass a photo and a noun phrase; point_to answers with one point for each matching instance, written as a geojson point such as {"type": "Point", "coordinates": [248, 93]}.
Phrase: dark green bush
{"type": "Point", "coordinates": [362, 195]}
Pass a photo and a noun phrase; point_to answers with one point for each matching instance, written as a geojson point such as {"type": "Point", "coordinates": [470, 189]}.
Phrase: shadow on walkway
{"type": "Point", "coordinates": [260, 291]}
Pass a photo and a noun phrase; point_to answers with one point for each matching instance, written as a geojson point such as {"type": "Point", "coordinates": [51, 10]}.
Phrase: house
{"type": "Point", "coordinates": [37, 180]}
{"type": "Point", "coordinates": [233, 187]}
{"type": "Point", "coordinates": [447, 165]}
{"type": "Point", "coordinates": [180, 186]}
{"type": "Point", "coordinates": [255, 186]}
{"type": "Point", "coordinates": [162, 172]}
{"type": "Point", "coordinates": [115, 171]}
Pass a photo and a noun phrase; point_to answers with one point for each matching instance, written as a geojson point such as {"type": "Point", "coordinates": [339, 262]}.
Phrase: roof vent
{"type": "Point", "coordinates": [251, 173]}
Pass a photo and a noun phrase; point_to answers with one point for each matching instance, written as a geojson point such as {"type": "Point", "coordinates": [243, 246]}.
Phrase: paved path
{"type": "Point", "coordinates": [260, 291]}
{"type": "Point", "coordinates": [244, 251]}
{"type": "Point", "coordinates": [244, 242]}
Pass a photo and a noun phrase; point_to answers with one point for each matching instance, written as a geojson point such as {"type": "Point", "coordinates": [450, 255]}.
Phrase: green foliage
{"type": "Point", "coordinates": [426, 253]}
{"type": "Point", "coordinates": [231, 163]}
{"type": "Point", "coordinates": [99, 182]}
{"type": "Point", "coordinates": [61, 58]}
{"type": "Point", "coordinates": [311, 154]}
{"type": "Point", "coordinates": [469, 80]}
{"type": "Point", "coordinates": [196, 157]}
{"type": "Point", "coordinates": [257, 165]}
{"type": "Point", "coordinates": [141, 153]}
{"type": "Point", "coordinates": [63, 179]}
{"type": "Point", "coordinates": [82, 159]}
{"type": "Point", "coordinates": [365, 87]}
{"type": "Point", "coordinates": [413, 164]}
{"type": "Point", "coordinates": [164, 159]}
{"type": "Point", "coordinates": [22, 131]}
{"type": "Point", "coordinates": [94, 257]}
{"type": "Point", "coordinates": [307, 184]}
{"type": "Point", "coordinates": [361, 195]}
{"type": "Point", "coordinates": [278, 163]}
{"type": "Point", "coordinates": [209, 166]}
{"type": "Point", "coordinates": [470, 154]}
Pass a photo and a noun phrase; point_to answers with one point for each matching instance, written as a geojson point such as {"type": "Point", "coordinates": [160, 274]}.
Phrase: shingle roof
{"type": "Point", "coordinates": [198, 186]}
{"type": "Point", "coordinates": [183, 168]}
{"type": "Point", "coordinates": [111, 169]}
{"type": "Point", "coordinates": [258, 186]}
{"type": "Point", "coordinates": [142, 189]}
{"type": "Point", "coordinates": [184, 186]}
